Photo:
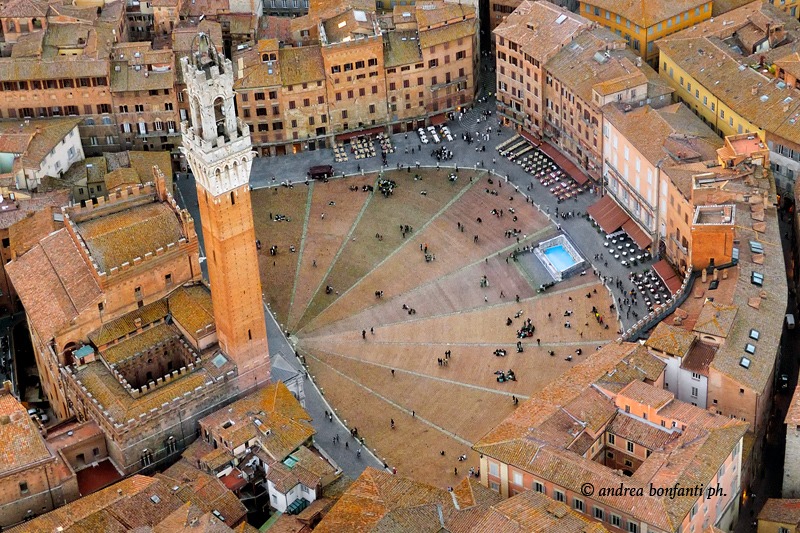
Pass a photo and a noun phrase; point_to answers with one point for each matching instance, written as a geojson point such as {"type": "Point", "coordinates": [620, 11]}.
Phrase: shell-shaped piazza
{"type": "Point", "coordinates": [400, 304]}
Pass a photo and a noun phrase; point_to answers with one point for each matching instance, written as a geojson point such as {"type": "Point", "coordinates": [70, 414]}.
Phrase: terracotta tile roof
{"type": "Point", "coordinates": [659, 134]}
{"type": "Point", "coordinates": [283, 478]}
{"type": "Point", "coordinates": [378, 501]}
{"type": "Point", "coordinates": [313, 462]}
{"type": "Point", "coordinates": [191, 307]}
{"type": "Point", "coordinates": [433, 12]}
{"type": "Point", "coordinates": [533, 26]}
{"type": "Point", "coordinates": [25, 234]}
{"type": "Point", "coordinates": [120, 178]}
{"type": "Point", "coordinates": [124, 506]}
{"type": "Point", "coordinates": [640, 432]}
{"type": "Point", "coordinates": [278, 28]}
{"type": "Point", "coordinates": [28, 46]}
{"type": "Point", "coordinates": [48, 202]}
{"type": "Point", "coordinates": [716, 319]}
{"type": "Point", "coordinates": [257, 75]}
{"type": "Point", "coordinates": [272, 415]}
{"type": "Point", "coordinates": [638, 365]}
{"type": "Point", "coordinates": [699, 358]}
{"type": "Point", "coordinates": [790, 64]}
{"type": "Point", "coordinates": [143, 162]}
{"type": "Point", "coordinates": [401, 49]}
{"type": "Point", "coordinates": [768, 320]}
{"type": "Point", "coordinates": [582, 444]}
{"type": "Point", "coordinates": [786, 511]}
{"type": "Point", "coordinates": [671, 340]}
{"type": "Point", "coordinates": [25, 9]}
{"type": "Point", "coordinates": [711, 64]}
{"type": "Point", "coordinates": [646, 13]}
{"type": "Point", "coordinates": [377, 494]}
{"type": "Point", "coordinates": [190, 518]}
{"type": "Point", "coordinates": [301, 64]}
{"type": "Point", "coordinates": [350, 25]}
{"type": "Point", "coordinates": [122, 236]}
{"type": "Point", "coordinates": [240, 24]}
{"type": "Point", "coordinates": [35, 139]}
{"type": "Point", "coordinates": [592, 408]}
{"type": "Point", "coordinates": [124, 350]}
{"type": "Point", "coordinates": [576, 67]}
{"type": "Point", "coordinates": [20, 441]}
{"type": "Point", "coordinates": [125, 325]}
{"type": "Point", "coordinates": [205, 491]}
{"type": "Point", "coordinates": [447, 34]}
{"type": "Point", "coordinates": [533, 512]}
{"type": "Point", "coordinates": [469, 493]}
{"type": "Point", "coordinates": [128, 79]}
{"type": "Point", "coordinates": [691, 457]}
{"type": "Point", "coordinates": [611, 368]}
{"type": "Point", "coordinates": [217, 458]}
{"type": "Point", "coordinates": [645, 394]}
{"type": "Point", "coordinates": [54, 283]}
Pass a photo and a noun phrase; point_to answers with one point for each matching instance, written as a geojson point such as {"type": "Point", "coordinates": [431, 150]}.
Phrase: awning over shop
{"type": "Point", "coordinates": [567, 165]}
{"type": "Point", "coordinates": [438, 119]}
{"type": "Point", "coordinates": [668, 276]}
{"type": "Point", "coordinates": [608, 214]}
{"type": "Point", "coordinates": [530, 137]}
{"type": "Point", "coordinates": [639, 236]}
{"type": "Point", "coordinates": [359, 133]}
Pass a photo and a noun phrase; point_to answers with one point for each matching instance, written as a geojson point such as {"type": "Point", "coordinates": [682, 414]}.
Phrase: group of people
{"type": "Point", "coordinates": [442, 154]}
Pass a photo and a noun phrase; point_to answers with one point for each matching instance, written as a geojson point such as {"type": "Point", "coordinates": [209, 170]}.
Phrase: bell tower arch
{"type": "Point", "coordinates": [219, 151]}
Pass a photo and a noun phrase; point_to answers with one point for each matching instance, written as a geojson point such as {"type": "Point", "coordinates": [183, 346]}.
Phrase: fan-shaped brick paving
{"type": "Point", "coordinates": [435, 407]}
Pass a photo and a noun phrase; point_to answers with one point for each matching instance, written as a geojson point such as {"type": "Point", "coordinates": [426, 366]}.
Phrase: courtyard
{"type": "Point", "coordinates": [399, 306]}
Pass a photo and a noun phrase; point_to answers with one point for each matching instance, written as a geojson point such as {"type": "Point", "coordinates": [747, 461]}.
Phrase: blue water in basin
{"type": "Point", "coordinates": [560, 258]}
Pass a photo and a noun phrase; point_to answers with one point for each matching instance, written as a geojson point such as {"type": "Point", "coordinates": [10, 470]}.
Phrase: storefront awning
{"type": "Point", "coordinates": [438, 119]}
{"type": "Point", "coordinates": [608, 214]}
{"type": "Point", "coordinates": [359, 133]}
{"type": "Point", "coordinates": [567, 165]}
{"type": "Point", "coordinates": [639, 236]}
{"type": "Point", "coordinates": [668, 276]}
{"type": "Point", "coordinates": [530, 137]}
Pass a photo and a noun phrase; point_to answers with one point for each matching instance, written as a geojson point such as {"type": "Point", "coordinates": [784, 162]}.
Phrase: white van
{"type": "Point", "coordinates": [790, 320]}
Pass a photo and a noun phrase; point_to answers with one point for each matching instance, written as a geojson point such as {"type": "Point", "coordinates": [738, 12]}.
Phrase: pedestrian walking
{"type": "Point", "coordinates": [363, 334]}
{"type": "Point", "coordinates": [393, 372]}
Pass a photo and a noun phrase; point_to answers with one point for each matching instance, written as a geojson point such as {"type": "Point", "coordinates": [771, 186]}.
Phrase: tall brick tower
{"type": "Point", "coordinates": [218, 149]}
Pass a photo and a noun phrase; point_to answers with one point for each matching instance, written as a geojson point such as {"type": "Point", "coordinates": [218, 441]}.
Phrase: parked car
{"type": "Point", "coordinates": [35, 412]}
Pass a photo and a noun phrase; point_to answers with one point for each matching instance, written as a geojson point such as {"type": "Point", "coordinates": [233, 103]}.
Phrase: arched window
{"type": "Point", "coordinates": [219, 115]}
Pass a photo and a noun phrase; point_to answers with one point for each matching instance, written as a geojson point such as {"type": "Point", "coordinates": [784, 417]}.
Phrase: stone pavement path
{"type": "Point", "coordinates": [316, 405]}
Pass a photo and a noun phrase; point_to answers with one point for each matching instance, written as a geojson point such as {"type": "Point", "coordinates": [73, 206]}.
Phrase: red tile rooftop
{"type": "Point", "coordinates": [747, 145]}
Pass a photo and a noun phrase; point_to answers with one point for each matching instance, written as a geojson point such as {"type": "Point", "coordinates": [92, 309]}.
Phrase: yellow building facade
{"type": "Point", "coordinates": [642, 27]}
{"type": "Point", "coordinates": [700, 99]}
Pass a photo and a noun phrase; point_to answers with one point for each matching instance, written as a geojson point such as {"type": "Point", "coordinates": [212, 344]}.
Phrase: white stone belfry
{"type": "Point", "coordinates": [216, 144]}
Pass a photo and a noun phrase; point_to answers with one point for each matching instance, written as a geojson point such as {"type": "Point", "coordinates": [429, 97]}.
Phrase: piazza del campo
{"type": "Point", "coordinates": [399, 266]}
